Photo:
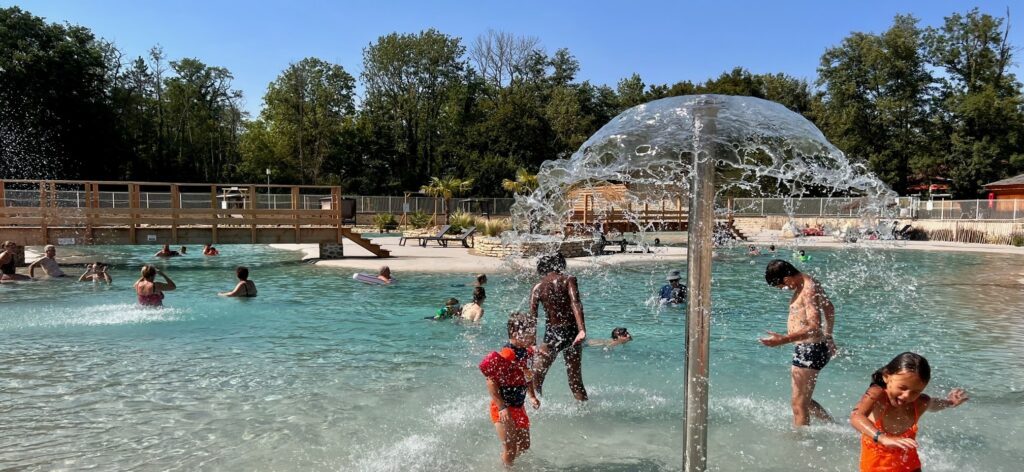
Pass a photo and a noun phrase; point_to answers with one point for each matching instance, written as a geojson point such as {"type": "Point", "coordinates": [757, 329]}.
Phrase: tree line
{"type": "Point", "coordinates": [914, 102]}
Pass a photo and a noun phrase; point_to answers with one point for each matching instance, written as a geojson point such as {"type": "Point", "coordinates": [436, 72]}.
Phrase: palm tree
{"type": "Point", "coordinates": [446, 188]}
{"type": "Point", "coordinates": [525, 182]}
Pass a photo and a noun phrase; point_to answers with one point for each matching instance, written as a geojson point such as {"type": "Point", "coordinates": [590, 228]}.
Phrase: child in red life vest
{"type": "Point", "coordinates": [510, 383]}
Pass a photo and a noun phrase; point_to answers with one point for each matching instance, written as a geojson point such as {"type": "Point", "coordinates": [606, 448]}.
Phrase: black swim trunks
{"type": "Point", "coordinates": [559, 338]}
{"type": "Point", "coordinates": [811, 356]}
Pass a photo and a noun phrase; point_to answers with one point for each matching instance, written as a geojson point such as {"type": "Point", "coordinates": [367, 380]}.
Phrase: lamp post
{"type": "Point", "coordinates": [268, 190]}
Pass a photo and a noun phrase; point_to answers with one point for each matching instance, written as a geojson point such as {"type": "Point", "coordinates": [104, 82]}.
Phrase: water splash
{"type": "Point", "coordinates": [761, 148]}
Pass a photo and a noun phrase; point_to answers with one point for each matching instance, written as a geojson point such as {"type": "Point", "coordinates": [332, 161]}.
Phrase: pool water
{"type": "Point", "coordinates": [323, 373]}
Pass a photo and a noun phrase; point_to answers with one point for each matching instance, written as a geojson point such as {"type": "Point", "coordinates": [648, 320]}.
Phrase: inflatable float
{"type": "Point", "coordinates": [368, 279]}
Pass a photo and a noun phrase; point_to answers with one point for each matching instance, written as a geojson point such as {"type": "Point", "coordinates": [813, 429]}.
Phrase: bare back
{"type": "Point", "coordinates": [559, 295]}
{"type": "Point", "coordinates": [810, 309]}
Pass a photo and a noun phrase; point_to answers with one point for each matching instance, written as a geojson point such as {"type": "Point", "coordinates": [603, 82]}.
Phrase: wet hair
{"type": "Point", "coordinates": [481, 279]}
{"type": "Point", "coordinates": [242, 272]}
{"type": "Point", "coordinates": [619, 333]}
{"type": "Point", "coordinates": [451, 302]}
{"type": "Point", "coordinates": [167, 247]}
{"type": "Point", "coordinates": [778, 270]}
{"type": "Point", "coordinates": [906, 362]}
{"type": "Point", "coordinates": [383, 269]}
{"type": "Point", "coordinates": [479, 294]}
{"type": "Point", "coordinates": [148, 272]}
{"type": "Point", "coordinates": [551, 263]}
{"type": "Point", "coordinates": [771, 248]}
{"type": "Point", "coordinates": [520, 323]}
{"type": "Point", "coordinates": [802, 252]}
{"type": "Point", "coordinates": [183, 250]}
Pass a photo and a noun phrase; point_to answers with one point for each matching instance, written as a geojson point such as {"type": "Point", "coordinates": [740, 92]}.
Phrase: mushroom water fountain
{"type": "Point", "coordinates": [703, 146]}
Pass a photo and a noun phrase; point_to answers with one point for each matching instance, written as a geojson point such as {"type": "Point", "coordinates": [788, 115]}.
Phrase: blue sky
{"type": "Point", "coordinates": [663, 41]}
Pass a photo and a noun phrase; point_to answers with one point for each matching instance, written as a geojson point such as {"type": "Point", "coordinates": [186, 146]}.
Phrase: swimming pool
{"type": "Point", "coordinates": [323, 373]}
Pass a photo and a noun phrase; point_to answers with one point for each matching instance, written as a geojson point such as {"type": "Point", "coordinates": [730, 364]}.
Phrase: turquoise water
{"type": "Point", "coordinates": [323, 373]}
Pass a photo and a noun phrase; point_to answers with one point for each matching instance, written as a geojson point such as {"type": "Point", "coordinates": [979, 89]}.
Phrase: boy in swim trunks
{"type": "Point", "coordinates": [510, 383]}
{"type": "Point", "coordinates": [564, 328]}
{"type": "Point", "coordinates": [811, 317]}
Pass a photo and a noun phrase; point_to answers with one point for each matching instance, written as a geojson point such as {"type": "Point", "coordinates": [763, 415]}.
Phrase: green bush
{"type": "Point", "coordinates": [495, 227]}
{"type": "Point", "coordinates": [384, 222]}
{"type": "Point", "coordinates": [1017, 239]}
{"type": "Point", "coordinates": [459, 221]}
{"type": "Point", "coordinates": [419, 220]}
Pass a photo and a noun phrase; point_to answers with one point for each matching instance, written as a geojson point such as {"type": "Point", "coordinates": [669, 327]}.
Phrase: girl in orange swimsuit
{"type": "Point", "coordinates": [888, 412]}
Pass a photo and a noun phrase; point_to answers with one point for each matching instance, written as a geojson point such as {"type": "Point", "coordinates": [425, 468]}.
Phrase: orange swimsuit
{"type": "Point", "coordinates": [874, 457]}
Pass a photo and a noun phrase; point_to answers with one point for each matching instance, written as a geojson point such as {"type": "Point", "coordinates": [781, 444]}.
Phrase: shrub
{"type": "Point", "coordinates": [495, 227]}
{"type": "Point", "coordinates": [459, 221]}
{"type": "Point", "coordinates": [384, 222]}
{"type": "Point", "coordinates": [419, 220]}
{"type": "Point", "coordinates": [1017, 239]}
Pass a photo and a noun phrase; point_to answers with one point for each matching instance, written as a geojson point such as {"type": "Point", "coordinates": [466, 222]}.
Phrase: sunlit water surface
{"type": "Point", "coordinates": [323, 373]}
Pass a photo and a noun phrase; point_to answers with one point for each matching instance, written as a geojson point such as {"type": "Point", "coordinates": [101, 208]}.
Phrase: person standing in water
{"type": "Point", "coordinates": [887, 414]}
{"type": "Point", "coordinates": [564, 329]}
{"type": "Point", "coordinates": [244, 287]}
{"type": "Point", "coordinates": [149, 291]}
{"type": "Point", "coordinates": [48, 263]}
{"type": "Point", "coordinates": [809, 328]}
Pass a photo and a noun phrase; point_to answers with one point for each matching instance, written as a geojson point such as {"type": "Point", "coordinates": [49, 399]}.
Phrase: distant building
{"type": "Point", "coordinates": [1008, 189]}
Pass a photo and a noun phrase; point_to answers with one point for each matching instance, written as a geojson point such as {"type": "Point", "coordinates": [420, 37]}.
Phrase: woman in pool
{"type": "Point", "coordinates": [245, 287]}
{"type": "Point", "coordinates": [149, 291]}
{"type": "Point", "coordinates": [209, 250]}
{"type": "Point", "coordinates": [97, 272]}
{"type": "Point", "coordinates": [385, 275]}
{"type": "Point", "coordinates": [7, 269]}
{"type": "Point", "coordinates": [474, 310]}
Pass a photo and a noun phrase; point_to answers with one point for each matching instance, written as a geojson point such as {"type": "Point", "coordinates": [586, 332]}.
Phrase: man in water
{"type": "Point", "coordinates": [673, 292]}
{"type": "Point", "coordinates": [48, 263]}
{"type": "Point", "coordinates": [564, 330]}
{"type": "Point", "coordinates": [809, 328]}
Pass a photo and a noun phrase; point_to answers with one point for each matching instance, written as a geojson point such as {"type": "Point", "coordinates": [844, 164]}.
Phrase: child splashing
{"type": "Point", "coordinates": [887, 414]}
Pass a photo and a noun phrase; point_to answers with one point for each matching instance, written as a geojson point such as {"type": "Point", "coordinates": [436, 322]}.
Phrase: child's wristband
{"type": "Point", "coordinates": [877, 435]}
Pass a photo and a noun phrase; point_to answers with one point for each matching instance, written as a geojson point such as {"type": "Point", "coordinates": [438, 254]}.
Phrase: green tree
{"type": "Point", "coordinates": [53, 102]}
{"type": "Point", "coordinates": [408, 80]}
{"type": "Point", "coordinates": [446, 188]}
{"type": "Point", "coordinates": [308, 108]}
{"type": "Point", "coordinates": [982, 119]}
{"type": "Point", "coordinates": [874, 99]}
{"type": "Point", "coordinates": [524, 182]}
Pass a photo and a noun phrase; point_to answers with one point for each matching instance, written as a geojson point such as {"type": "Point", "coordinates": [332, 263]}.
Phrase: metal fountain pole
{"type": "Point", "coordinates": [698, 310]}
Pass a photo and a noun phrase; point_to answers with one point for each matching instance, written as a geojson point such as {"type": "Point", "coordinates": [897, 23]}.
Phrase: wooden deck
{"type": "Point", "coordinates": [56, 220]}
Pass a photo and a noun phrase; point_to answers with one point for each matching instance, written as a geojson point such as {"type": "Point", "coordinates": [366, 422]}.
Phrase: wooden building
{"type": "Point", "coordinates": [1008, 189]}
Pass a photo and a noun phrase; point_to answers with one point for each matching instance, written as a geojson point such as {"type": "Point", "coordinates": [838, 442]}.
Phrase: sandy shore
{"type": "Point", "coordinates": [457, 259]}
{"type": "Point", "coordinates": [452, 259]}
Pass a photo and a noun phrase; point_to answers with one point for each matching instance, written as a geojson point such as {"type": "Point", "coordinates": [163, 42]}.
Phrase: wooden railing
{"type": "Point", "coordinates": [87, 222]}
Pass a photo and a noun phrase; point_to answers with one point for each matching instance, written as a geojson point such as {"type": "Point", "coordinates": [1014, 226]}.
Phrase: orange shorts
{"type": "Point", "coordinates": [517, 413]}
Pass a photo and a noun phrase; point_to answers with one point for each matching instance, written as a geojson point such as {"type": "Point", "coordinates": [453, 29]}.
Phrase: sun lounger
{"type": "Point", "coordinates": [420, 239]}
{"type": "Point", "coordinates": [465, 237]}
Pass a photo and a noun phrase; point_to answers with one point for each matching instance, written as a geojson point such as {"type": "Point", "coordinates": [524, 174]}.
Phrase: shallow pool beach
{"type": "Point", "coordinates": [322, 373]}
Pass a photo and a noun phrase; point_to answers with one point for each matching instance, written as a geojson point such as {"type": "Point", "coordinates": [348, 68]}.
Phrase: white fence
{"type": "Point", "coordinates": [274, 201]}
{"type": "Point", "coordinates": [903, 207]}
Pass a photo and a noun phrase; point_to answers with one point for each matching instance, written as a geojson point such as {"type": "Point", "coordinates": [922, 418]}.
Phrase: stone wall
{"type": "Point", "coordinates": [494, 247]}
{"type": "Point", "coordinates": [331, 251]}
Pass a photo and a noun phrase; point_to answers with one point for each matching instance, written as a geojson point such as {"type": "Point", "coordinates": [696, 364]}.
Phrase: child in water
{"type": "Point", "coordinates": [451, 310]}
{"type": "Point", "coordinates": [887, 414]}
{"type": "Point", "coordinates": [510, 383]}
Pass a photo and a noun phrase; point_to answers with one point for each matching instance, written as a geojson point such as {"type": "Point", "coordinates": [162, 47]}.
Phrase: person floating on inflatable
{"type": "Point", "coordinates": [385, 275]}
{"type": "Point", "coordinates": [510, 383]}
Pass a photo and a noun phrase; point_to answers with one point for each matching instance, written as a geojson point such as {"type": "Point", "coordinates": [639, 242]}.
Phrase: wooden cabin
{"type": "Point", "coordinates": [1008, 189]}
{"type": "Point", "coordinates": [607, 206]}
